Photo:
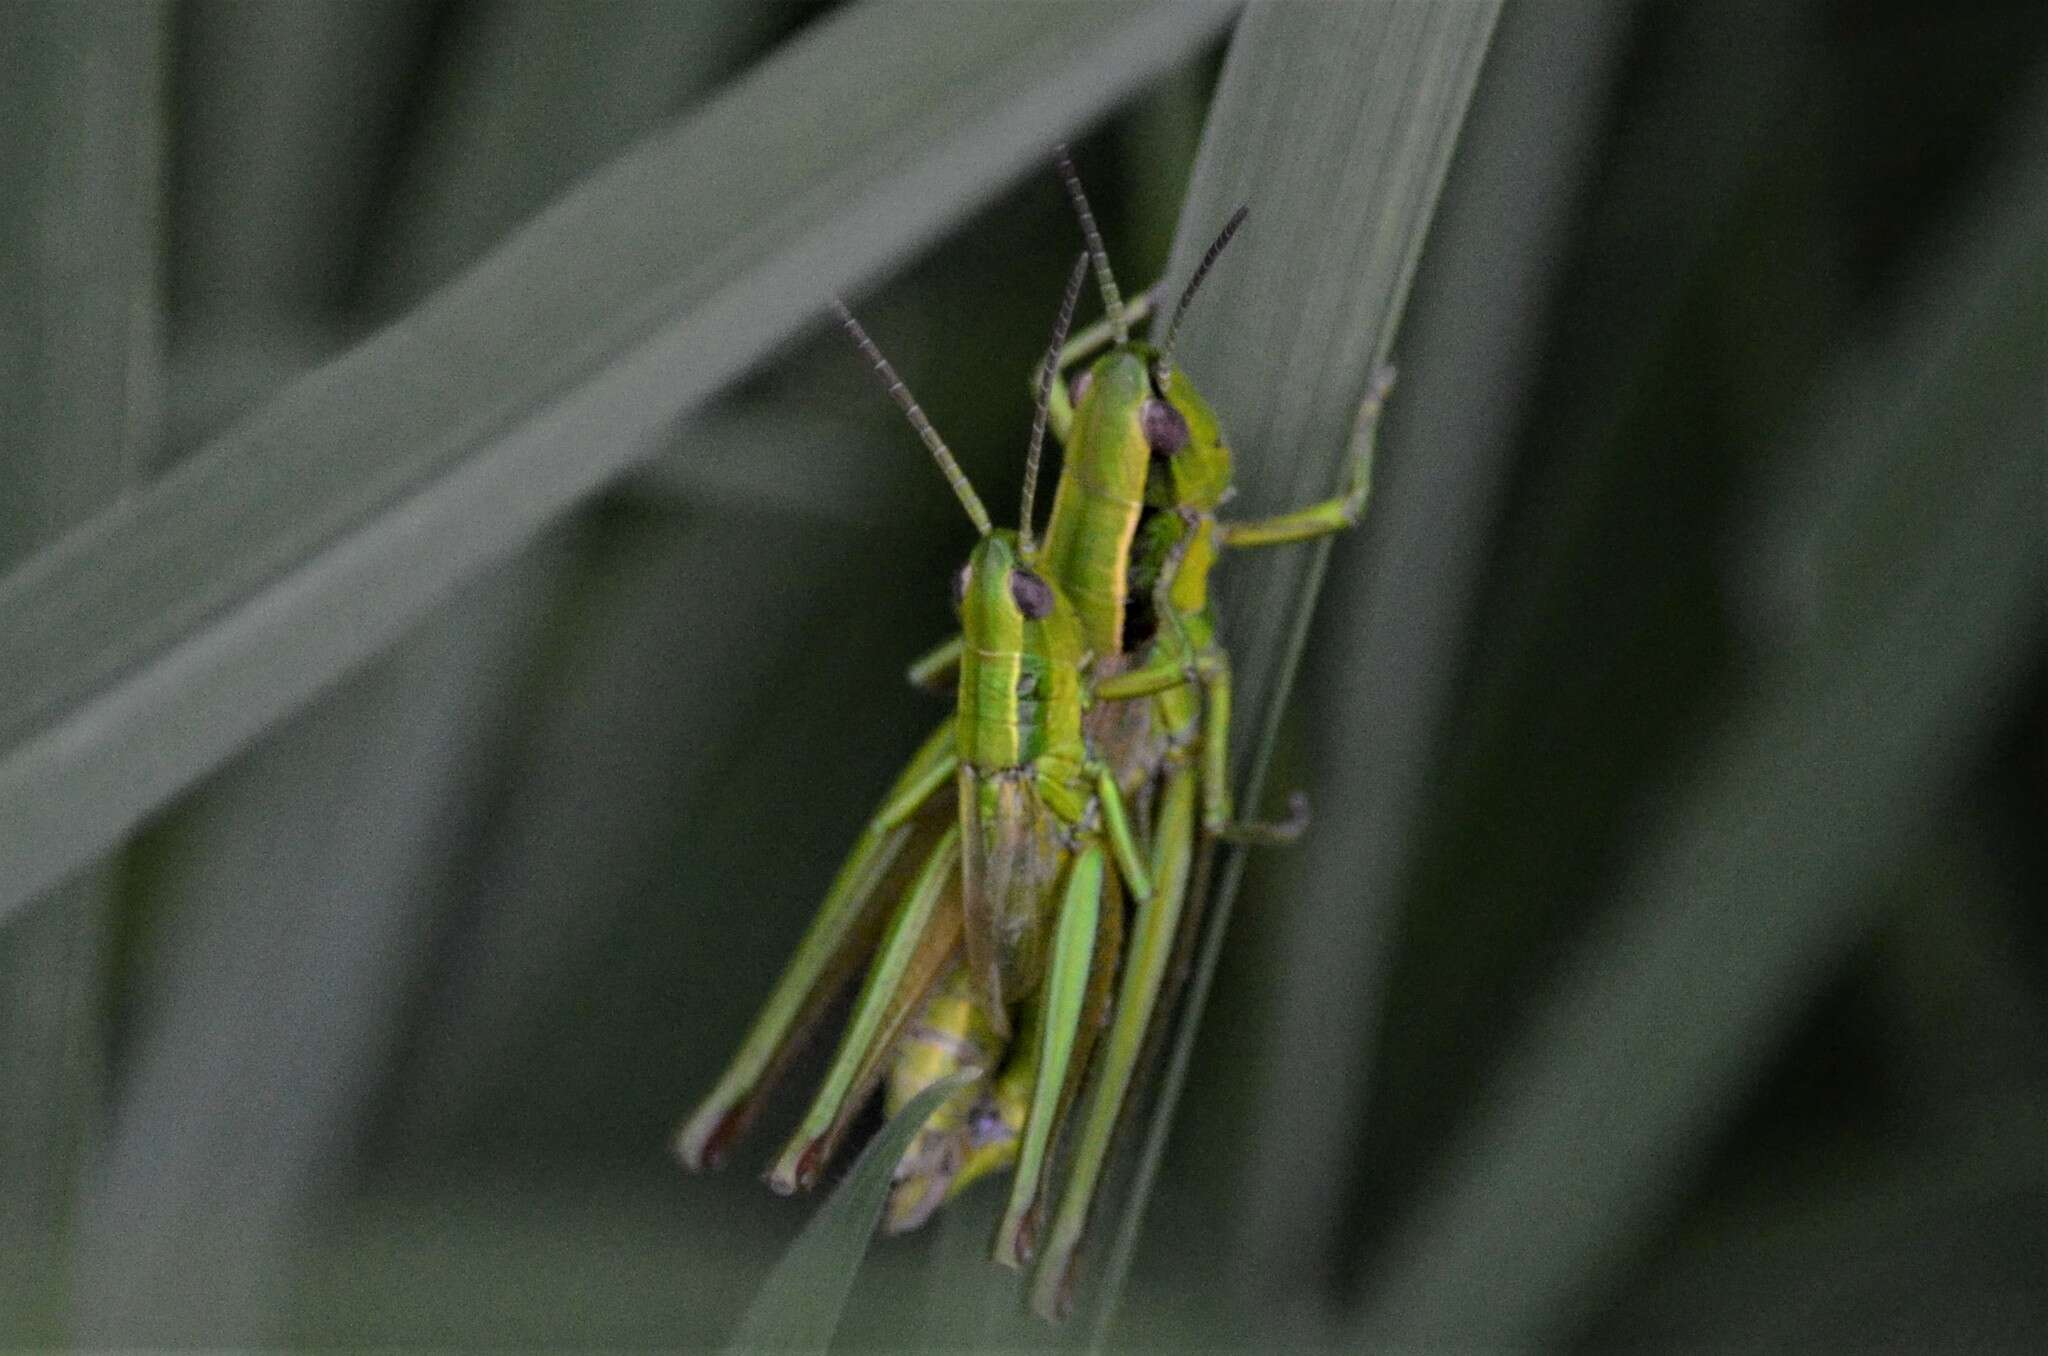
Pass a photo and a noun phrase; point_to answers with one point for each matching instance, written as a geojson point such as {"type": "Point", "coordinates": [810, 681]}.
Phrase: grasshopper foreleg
{"type": "Point", "coordinates": [934, 670]}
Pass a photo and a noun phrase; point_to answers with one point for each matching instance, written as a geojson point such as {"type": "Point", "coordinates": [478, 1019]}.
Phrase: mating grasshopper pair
{"type": "Point", "coordinates": [1087, 754]}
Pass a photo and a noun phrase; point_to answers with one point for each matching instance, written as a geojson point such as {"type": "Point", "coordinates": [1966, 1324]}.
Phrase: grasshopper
{"type": "Point", "coordinates": [1133, 535]}
{"type": "Point", "coordinates": [1030, 869]}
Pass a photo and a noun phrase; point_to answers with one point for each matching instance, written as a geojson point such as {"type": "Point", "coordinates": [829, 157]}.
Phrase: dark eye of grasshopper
{"type": "Point", "coordinates": [960, 587]}
{"type": "Point", "coordinates": [1031, 594]}
{"type": "Point", "coordinates": [1165, 431]}
{"type": "Point", "coordinates": [1078, 387]}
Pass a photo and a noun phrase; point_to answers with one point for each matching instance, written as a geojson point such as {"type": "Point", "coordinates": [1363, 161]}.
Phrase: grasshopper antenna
{"type": "Point", "coordinates": [1046, 374]}
{"type": "Point", "coordinates": [1112, 300]}
{"type": "Point", "coordinates": [1187, 294]}
{"type": "Point", "coordinates": [900, 393]}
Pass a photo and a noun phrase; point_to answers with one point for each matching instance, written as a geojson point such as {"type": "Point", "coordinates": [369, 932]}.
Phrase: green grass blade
{"type": "Point", "coordinates": [798, 1306]}
{"type": "Point", "coordinates": [1342, 175]}
{"type": "Point", "coordinates": [315, 861]}
{"type": "Point", "coordinates": [1379, 697]}
{"type": "Point", "coordinates": [80, 315]}
{"type": "Point", "coordinates": [282, 115]}
{"type": "Point", "coordinates": [82, 137]}
{"type": "Point", "coordinates": [1761, 878]}
{"type": "Point", "coordinates": [167, 631]}
{"type": "Point", "coordinates": [551, 90]}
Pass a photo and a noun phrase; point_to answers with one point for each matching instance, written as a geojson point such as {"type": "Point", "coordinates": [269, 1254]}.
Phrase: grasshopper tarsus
{"type": "Point", "coordinates": [703, 1140]}
{"type": "Point", "coordinates": [1017, 1239]}
{"type": "Point", "coordinates": [1270, 832]}
{"type": "Point", "coordinates": [798, 1170]}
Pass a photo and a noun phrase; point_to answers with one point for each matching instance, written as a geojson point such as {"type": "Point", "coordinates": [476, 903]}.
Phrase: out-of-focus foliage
{"type": "Point", "coordinates": [1666, 961]}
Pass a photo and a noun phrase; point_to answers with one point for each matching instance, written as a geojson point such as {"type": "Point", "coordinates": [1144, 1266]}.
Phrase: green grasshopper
{"type": "Point", "coordinates": [1041, 837]}
{"type": "Point", "coordinates": [1132, 538]}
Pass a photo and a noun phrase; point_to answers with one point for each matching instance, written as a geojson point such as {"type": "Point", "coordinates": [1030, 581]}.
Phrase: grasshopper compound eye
{"type": "Point", "coordinates": [1166, 432]}
{"type": "Point", "coordinates": [1032, 595]}
{"type": "Point", "coordinates": [1077, 387]}
{"type": "Point", "coordinates": [960, 586]}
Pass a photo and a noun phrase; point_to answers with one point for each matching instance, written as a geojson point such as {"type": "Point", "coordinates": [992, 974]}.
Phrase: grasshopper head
{"type": "Point", "coordinates": [1005, 605]}
{"type": "Point", "coordinates": [1191, 464]}
{"type": "Point", "coordinates": [1020, 670]}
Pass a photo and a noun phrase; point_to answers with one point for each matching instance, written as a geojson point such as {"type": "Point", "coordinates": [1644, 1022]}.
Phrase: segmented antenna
{"type": "Point", "coordinates": [1046, 375]}
{"type": "Point", "coordinates": [1187, 293]}
{"type": "Point", "coordinates": [1112, 300]}
{"type": "Point", "coordinates": [901, 395]}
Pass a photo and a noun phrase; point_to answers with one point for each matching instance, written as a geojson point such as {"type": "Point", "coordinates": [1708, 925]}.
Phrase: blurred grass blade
{"type": "Point", "coordinates": [282, 114]}
{"type": "Point", "coordinates": [81, 147]}
{"type": "Point", "coordinates": [553, 90]}
{"type": "Point", "coordinates": [82, 136]}
{"type": "Point", "coordinates": [798, 1306]}
{"type": "Point", "coordinates": [1380, 696]}
{"type": "Point", "coordinates": [146, 647]}
{"type": "Point", "coordinates": [1763, 875]}
{"type": "Point", "coordinates": [314, 861]}
{"type": "Point", "coordinates": [1336, 124]}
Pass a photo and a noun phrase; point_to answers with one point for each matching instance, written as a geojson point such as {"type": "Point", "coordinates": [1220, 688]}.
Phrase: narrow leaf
{"type": "Point", "coordinates": [1385, 692]}
{"type": "Point", "coordinates": [81, 147]}
{"type": "Point", "coordinates": [1336, 125]}
{"type": "Point", "coordinates": [166, 632]}
{"type": "Point", "coordinates": [798, 1306]}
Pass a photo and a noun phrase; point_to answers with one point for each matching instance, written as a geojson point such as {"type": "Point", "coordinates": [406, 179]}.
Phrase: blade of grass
{"type": "Point", "coordinates": [797, 1308]}
{"type": "Point", "coordinates": [1762, 874]}
{"type": "Point", "coordinates": [162, 635]}
{"type": "Point", "coordinates": [81, 152]}
{"type": "Point", "coordinates": [283, 111]}
{"type": "Point", "coordinates": [81, 147]}
{"type": "Point", "coordinates": [1336, 124]}
{"type": "Point", "coordinates": [1955, 990]}
{"type": "Point", "coordinates": [1378, 695]}
{"type": "Point", "coordinates": [554, 91]}
{"type": "Point", "coordinates": [1617, 579]}
{"type": "Point", "coordinates": [312, 864]}
{"type": "Point", "coordinates": [716, 466]}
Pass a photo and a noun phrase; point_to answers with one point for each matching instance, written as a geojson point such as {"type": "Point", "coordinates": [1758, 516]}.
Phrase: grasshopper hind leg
{"type": "Point", "coordinates": [915, 946]}
{"type": "Point", "coordinates": [843, 930]}
{"type": "Point", "coordinates": [1148, 953]}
